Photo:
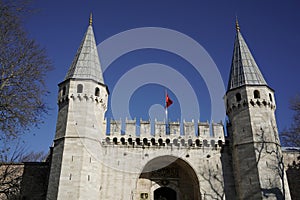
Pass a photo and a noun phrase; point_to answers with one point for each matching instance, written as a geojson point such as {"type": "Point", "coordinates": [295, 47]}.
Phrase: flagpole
{"type": "Point", "coordinates": [166, 106]}
{"type": "Point", "coordinates": [167, 121]}
{"type": "Point", "coordinates": [168, 103]}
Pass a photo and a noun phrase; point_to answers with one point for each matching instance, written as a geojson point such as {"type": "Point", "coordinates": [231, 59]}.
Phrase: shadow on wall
{"type": "Point", "coordinates": [275, 191]}
{"type": "Point", "coordinates": [293, 175]}
{"type": "Point", "coordinates": [226, 159]}
{"type": "Point", "coordinates": [35, 180]}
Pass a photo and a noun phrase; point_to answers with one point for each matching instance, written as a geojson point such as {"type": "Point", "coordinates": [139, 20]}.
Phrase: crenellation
{"type": "Point", "coordinates": [218, 131]}
{"type": "Point", "coordinates": [130, 127]}
{"type": "Point", "coordinates": [159, 128]}
{"type": "Point", "coordinates": [115, 127]}
{"type": "Point", "coordinates": [162, 138]}
{"type": "Point", "coordinates": [203, 129]}
{"type": "Point", "coordinates": [174, 129]}
{"type": "Point", "coordinates": [189, 129]}
{"type": "Point", "coordinates": [145, 128]}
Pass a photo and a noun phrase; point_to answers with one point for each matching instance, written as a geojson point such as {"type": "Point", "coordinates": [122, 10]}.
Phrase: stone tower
{"type": "Point", "coordinates": [82, 102]}
{"type": "Point", "coordinates": [256, 151]}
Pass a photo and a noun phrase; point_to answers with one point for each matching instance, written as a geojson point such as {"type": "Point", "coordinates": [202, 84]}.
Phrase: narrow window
{"type": "Point", "coordinates": [97, 92]}
{"type": "Point", "coordinates": [160, 141]}
{"type": "Point", "coordinates": [197, 142]}
{"type": "Point", "coordinates": [64, 91]}
{"type": "Point", "coordinates": [168, 141]}
{"type": "Point", "coordinates": [115, 140]}
{"type": "Point", "coordinates": [145, 141]}
{"type": "Point", "coordinates": [182, 142]}
{"type": "Point", "coordinates": [256, 94]}
{"type": "Point", "coordinates": [138, 141]}
{"type": "Point", "coordinates": [190, 142]}
{"type": "Point", "coordinates": [79, 88]}
{"type": "Point", "coordinates": [153, 141]}
{"type": "Point", "coordinates": [238, 97]}
{"type": "Point", "coordinates": [270, 96]}
{"type": "Point", "coordinates": [123, 140]}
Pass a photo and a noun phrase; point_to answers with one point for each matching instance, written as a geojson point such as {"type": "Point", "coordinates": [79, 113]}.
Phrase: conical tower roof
{"type": "Point", "coordinates": [86, 64]}
{"type": "Point", "coordinates": [244, 70]}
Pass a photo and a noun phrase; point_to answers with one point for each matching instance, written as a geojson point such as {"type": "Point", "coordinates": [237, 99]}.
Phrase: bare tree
{"type": "Point", "coordinates": [214, 178]}
{"type": "Point", "coordinates": [291, 136]}
{"type": "Point", "coordinates": [271, 154]}
{"type": "Point", "coordinates": [23, 67]}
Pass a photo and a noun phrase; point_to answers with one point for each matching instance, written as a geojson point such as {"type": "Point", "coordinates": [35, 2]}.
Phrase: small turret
{"type": "Point", "coordinates": [250, 107]}
{"type": "Point", "coordinates": [80, 128]}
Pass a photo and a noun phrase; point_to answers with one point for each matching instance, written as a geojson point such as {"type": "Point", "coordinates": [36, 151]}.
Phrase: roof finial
{"type": "Point", "coordinates": [237, 26]}
{"type": "Point", "coordinates": [91, 19]}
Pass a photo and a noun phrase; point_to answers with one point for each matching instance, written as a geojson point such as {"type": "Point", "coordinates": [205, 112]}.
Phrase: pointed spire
{"type": "Point", "coordinates": [237, 26]}
{"type": "Point", "coordinates": [86, 64]}
{"type": "Point", "coordinates": [91, 19]}
{"type": "Point", "coordinates": [244, 70]}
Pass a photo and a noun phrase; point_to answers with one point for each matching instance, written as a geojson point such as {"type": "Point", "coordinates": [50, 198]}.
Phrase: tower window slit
{"type": "Point", "coordinates": [256, 94]}
{"type": "Point", "coordinates": [270, 96]}
{"type": "Point", "coordinates": [97, 92]}
{"type": "Point", "coordinates": [64, 91]}
{"type": "Point", "coordinates": [79, 88]}
{"type": "Point", "coordinates": [238, 97]}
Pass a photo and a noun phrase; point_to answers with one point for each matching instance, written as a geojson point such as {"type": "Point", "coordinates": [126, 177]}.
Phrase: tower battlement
{"type": "Point", "coordinates": [200, 134]}
{"type": "Point", "coordinates": [256, 96]}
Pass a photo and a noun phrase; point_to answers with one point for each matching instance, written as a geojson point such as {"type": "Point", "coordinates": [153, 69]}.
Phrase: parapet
{"type": "Point", "coordinates": [160, 133]}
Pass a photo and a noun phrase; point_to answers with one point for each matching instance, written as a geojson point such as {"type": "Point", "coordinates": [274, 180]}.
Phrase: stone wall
{"type": "Point", "coordinates": [292, 166]}
{"type": "Point", "coordinates": [35, 180]}
{"type": "Point", "coordinates": [24, 180]}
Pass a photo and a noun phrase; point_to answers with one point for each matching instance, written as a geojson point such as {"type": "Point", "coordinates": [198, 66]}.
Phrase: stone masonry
{"type": "Point", "coordinates": [200, 163]}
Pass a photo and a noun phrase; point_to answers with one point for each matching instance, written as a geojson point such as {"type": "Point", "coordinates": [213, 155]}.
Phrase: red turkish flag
{"type": "Point", "coordinates": [168, 101]}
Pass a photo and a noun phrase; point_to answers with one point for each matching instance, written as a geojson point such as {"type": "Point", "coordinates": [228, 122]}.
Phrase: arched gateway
{"type": "Point", "coordinates": [168, 178]}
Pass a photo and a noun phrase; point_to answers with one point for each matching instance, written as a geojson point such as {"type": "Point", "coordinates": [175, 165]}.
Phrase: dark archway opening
{"type": "Point", "coordinates": [175, 179]}
{"type": "Point", "coordinates": [165, 193]}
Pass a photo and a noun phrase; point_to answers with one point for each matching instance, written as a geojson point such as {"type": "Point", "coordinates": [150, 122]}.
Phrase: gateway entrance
{"type": "Point", "coordinates": [165, 193]}
{"type": "Point", "coordinates": [168, 178]}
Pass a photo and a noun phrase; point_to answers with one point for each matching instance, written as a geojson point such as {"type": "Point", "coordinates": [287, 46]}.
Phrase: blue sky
{"type": "Point", "coordinates": [270, 28]}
